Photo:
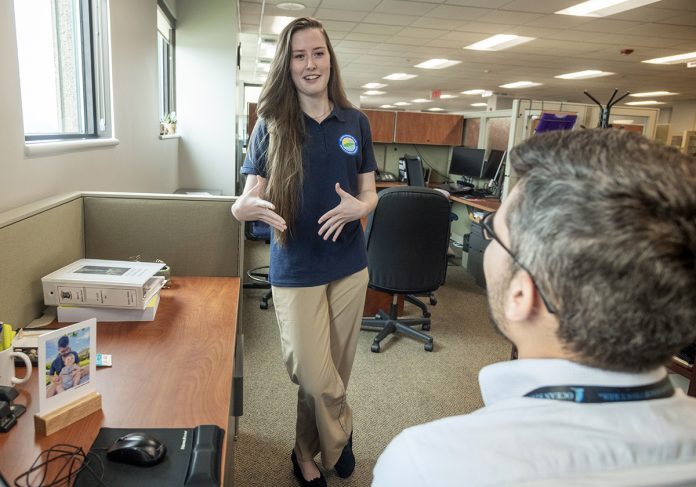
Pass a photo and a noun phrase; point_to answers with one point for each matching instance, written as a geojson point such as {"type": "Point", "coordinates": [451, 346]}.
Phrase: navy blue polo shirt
{"type": "Point", "coordinates": [334, 151]}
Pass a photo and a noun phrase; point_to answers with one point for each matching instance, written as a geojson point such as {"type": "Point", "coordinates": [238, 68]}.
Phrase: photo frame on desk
{"type": "Point", "coordinates": [61, 384]}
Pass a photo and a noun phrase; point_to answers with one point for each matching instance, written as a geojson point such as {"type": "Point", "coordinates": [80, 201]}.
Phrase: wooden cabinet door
{"type": "Point", "coordinates": [382, 125]}
{"type": "Point", "coordinates": [428, 128]}
{"type": "Point", "coordinates": [251, 122]}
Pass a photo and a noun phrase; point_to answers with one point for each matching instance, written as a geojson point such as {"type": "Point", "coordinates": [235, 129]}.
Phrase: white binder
{"type": "Point", "coordinates": [107, 283]}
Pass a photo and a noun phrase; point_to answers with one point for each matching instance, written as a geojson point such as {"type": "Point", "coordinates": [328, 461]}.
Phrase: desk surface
{"type": "Point", "coordinates": [173, 372]}
{"type": "Point", "coordinates": [485, 204]}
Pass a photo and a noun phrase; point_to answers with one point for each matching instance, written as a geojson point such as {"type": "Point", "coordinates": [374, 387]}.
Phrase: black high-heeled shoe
{"type": "Point", "coordinates": [317, 482]}
{"type": "Point", "coordinates": [346, 462]}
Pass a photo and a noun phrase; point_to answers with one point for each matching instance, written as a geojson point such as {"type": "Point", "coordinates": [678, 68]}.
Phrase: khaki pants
{"type": "Point", "coordinates": [319, 329]}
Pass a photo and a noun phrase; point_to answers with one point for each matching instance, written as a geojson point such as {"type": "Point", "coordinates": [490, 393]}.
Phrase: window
{"type": "Point", "coordinates": [64, 68]}
{"type": "Point", "coordinates": [165, 59]}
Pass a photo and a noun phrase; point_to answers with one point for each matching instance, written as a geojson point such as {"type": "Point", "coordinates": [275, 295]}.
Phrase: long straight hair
{"type": "Point", "coordinates": [279, 106]}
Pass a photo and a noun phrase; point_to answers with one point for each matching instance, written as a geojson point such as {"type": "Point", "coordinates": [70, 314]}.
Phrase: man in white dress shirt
{"type": "Point", "coordinates": [591, 274]}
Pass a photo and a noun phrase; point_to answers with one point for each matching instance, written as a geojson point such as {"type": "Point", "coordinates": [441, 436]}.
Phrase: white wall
{"type": "Point", "coordinates": [683, 116]}
{"type": "Point", "coordinates": [206, 70]}
{"type": "Point", "coordinates": [140, 162]}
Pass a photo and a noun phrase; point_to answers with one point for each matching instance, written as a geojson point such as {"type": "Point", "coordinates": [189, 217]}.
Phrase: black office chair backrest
{"type": "Point", "coordinates": [257, 230]}
{"type": "Point", "coordinates": [407, 238]}
{"type": "Point", "coordinates": [414, 171]}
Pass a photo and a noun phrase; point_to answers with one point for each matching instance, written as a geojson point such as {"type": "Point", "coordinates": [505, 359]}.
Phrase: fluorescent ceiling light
{"type": "Point", "coordinates": [436, 64]}
{"type": "Point", "coordinates": [400, 76]}
{"type": "Point", "coordinates": [374, 92]}
{"type": "Point", "coordinates": [646, 102]}
{"type": "Point", "coordinates": [436, 109]}
{"type": "Point", "coordinates": [603, 8]}
{"type": "Point", "coordinates": [473, 92]}
{"type": "Point", "coordinates": [679, 58]}
{"type": "Point", "coordinates": [653, 93]}
{"type": "Point", "coordinates": [386, 106]}
{"type": "Point", "coordinates": [401, 103]}
{"type": "Point", "coordinates": [279, 23]}
{"type": "Point", "coordinates": [447, 96]}
{"type": "Point", "coordinates": [479, 104]}
{"type": "Point", "coordinates": [499, 42]}
{"type": "Point", "coordinates": [520, 84]}
{"type": "Point", "coordinates": [589, 73]}
{"type": "Point", "coordinates": [263, 66]}
{"type": "Point", "coordinates": [290, 6]}
{"type": "Point", "coordinates": [373, 86]}
{"type": "Point", "coordinates": [622, 122]}
{"type": "Point", "coordinates": [421, 100]}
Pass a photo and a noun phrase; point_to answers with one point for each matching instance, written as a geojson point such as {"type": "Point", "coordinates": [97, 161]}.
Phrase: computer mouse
{"type": "Point", "coordinates": [137, 448]}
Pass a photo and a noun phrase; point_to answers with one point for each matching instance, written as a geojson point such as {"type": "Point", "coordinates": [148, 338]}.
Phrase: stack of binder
{"type": "Point", "coordinates": [108, 290]}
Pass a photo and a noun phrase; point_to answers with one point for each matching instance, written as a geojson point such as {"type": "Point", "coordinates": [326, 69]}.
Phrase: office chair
{"type": "Point", "coordinates": [407, 237]}
{"type": "Point", "coordinates": [257, 230]}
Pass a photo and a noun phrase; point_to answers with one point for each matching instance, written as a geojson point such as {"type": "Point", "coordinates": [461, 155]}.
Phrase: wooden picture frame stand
{"type": "Point", "coordinates": [60, 418]}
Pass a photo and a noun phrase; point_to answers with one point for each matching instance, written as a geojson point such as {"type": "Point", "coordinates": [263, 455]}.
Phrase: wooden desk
{"type": "Point", "coordinates": [485, 204]}
{"type": "Point", "coordinates": [683, 369]}
{"type": "Point", "coordinates": [173, 372]}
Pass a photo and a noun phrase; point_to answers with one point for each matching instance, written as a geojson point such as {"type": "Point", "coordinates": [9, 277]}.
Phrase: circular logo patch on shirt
{"type": "Point", "coordinates": [348, 144]}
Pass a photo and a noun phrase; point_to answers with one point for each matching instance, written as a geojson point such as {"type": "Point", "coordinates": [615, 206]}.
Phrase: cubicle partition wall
{"type": "Point", "coordinates": [194, 235]}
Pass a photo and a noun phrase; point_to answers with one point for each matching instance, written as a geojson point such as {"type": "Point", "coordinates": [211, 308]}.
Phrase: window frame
{"type": "Point", "coordinates": [166, 71]}
{"type": "Point", "coordinates": [95, 78]}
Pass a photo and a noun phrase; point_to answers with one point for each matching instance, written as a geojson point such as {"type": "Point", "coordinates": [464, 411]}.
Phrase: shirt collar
{"type": "Point", "coordinates": [515, 378]}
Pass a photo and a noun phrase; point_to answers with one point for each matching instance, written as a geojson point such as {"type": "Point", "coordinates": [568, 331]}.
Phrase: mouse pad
{"type": "Point", "coordinates": [172, 471]}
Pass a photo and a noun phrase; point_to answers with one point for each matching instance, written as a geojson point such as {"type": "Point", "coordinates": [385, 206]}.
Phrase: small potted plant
{"type": "Point", "coordinates": [168, 124]}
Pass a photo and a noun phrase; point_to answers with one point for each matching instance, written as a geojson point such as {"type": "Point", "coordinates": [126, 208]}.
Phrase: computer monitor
{"type": "Point", "coordinates": [551, 121]}
{"type": "Point", "coordinates": [467, 161]}
{"type": "Point", "coordinates": [414, 171]}
{"type": "Point", "coordinates": [491, 167]}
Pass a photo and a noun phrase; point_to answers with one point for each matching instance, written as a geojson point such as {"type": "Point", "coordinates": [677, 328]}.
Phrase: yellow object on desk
{"type": "Point", "coordinates": [7, 334]}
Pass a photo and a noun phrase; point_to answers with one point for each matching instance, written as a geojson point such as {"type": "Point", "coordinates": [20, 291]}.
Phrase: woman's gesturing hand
{"type": "Point", "coordinates": [348, 210]}
{"type": "Point", "coordinates": [250, 206]}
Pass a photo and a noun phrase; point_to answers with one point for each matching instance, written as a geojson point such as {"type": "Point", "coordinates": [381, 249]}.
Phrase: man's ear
{"type": "Point", "coordinates": [520, 297]}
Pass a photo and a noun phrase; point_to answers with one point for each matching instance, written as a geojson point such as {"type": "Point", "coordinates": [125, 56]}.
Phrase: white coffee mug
{"type": "Point", "coordinates": [7, 368]}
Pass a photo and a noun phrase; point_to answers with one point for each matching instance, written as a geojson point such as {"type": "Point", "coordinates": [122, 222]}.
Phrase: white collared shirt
{"type": "Point", "coordinates": [515, 439]}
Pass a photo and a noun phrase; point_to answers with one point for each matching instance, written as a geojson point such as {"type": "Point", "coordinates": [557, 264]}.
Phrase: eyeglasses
{"type": "Point", "coordinates": [489, 234]}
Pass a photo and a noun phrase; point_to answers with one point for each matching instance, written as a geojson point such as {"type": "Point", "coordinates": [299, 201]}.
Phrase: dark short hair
{"type": "Point", "coordinates": [63, 341]}
{"type": "Point", "coordinates": [606, 222]}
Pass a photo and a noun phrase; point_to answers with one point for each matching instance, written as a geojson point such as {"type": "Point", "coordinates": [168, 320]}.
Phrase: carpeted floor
{"type": "Point", "coordinates": [389, 391]}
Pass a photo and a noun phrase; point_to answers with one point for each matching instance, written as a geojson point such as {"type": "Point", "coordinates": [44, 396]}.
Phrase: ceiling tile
{"type": "Point", "coordinates": [343, 15]}
{"type": "Point", "coordinates": [508, 17]}
{"type": "Point", "coordinates": [459, 13]}
{"type": "Point", "coordinates": [405, 8]}
{"type": "Point", "coordinates": [390, 19]}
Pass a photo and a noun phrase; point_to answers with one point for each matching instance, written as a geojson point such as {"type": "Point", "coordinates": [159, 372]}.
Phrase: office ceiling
{"type": "Point", "coordinates": [374, 38]}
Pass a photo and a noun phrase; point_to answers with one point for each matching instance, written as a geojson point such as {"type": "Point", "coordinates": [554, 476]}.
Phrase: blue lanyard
{"type": "Point", "coordinates": [597, 394]}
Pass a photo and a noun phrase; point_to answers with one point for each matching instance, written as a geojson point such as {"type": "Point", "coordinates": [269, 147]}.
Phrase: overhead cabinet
{"type": "Point", "coordinates": [428, 128]}
{"type": "Point", "coordinates": [382, 124]}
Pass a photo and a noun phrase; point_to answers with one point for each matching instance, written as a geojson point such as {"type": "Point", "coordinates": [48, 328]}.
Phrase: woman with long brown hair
{"type": "Point", "coordinates": [310, 175]}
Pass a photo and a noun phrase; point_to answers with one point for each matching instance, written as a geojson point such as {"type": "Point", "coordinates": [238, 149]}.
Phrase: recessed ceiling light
{"type": "Point", "coordinates": [499, 42]}
{"type": "Point", "coordinates": [520, 84]}
{"type": "Point", "coordinates": [653, 93]}
{"type": "Point", "coordinates": [479, 104]}
{"type": "Point", "coordinates": [290, 6]}
{"type": "Point", "coordinates": [436, 109]}
{"type": "Point", "coordinates": [373, 86]}
{"type": "Point", "coordinates": [589, 73]}
{"type": "Point", "coordinates": [374, 92]}
{"type": "Point", "coordinates": [400, 76]}
{"type": "Point", "coordinates": [447, 96]}
{"type": "Point", "coordinates": [603, 8]}
{"type": "Point", "coordinates": [473, 92]}
{"type": "Point", "coordinates": [646, 102]}
{"type": "Point", "coordinates": [386, 106]}
{"type": "Point", "coordinates": [436, 64]}
{"type": "Point", "coordinates": [679, 58]}
{"type": "Point", "coordinates": [421, 100]}
{"type": "Point", "coordinates": [401, 103]}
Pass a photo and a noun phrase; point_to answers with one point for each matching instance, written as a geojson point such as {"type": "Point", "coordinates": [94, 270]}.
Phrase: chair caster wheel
{"type": "Point", "coordinates": [428, 347]}
{"type": "Point", "coordinates": [263, 305]}
{"type": "Point", "coordinates": [433, 301]}
{"type": "Point", "coordinates": [375, 347]}
{"type": "Point", "coordinates": [426, 314]}
{"type": "Point", "coordinates": [425, 327]}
